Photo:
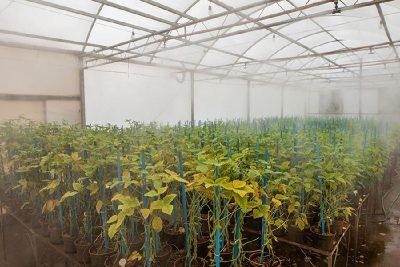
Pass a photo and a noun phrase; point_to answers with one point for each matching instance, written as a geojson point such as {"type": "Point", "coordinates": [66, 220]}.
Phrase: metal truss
{"type": "Point", "coordinates": [185, 30]}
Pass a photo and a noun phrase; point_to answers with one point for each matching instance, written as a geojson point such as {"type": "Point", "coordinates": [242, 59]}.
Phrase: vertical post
{"type": "Point", "coordinates": [360, 93]}
{"type": "Point", "coordinates": [82, 92]}
{"type": "Point", "coordinates": [248, 101]}
{"type": "Point", "coordinates": [45, 111]}
{"type": "Point", "coordinates": [147, 244]}
{"type": "Point", "coordinates": [282, 100]}
{"type": "Point", "coordinates": [192, 98]}
{"type": "Point", "coordinates": [184, 211]}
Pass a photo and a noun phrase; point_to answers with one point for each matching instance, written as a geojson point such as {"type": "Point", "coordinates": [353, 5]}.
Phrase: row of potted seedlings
{"type": "Point", "coordinates": [190, 195]}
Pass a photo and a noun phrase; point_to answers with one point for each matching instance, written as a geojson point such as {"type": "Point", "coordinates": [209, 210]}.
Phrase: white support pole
{"type": "Point", "coordinates": [282, 99]}
{"type": "Point", "coordinates": [360, 93]}
{"type": "Point", "coordinates": [248, 101]}
{"type": "Point", "coordinates": [192, 98]}
{"type": "Point", "coordinates": [82, 93]}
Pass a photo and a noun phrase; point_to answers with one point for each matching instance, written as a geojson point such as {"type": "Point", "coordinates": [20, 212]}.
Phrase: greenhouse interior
{"type": "Point", "coordinates": [199, 133]}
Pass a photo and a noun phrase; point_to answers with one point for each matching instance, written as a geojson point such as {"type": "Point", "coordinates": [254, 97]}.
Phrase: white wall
{"type": "Point", "coordinates": [216, 100]}
{"type": "Point", "coordinates": [39, 73]}
{"type": "Point", "coordinates": [119, 92]}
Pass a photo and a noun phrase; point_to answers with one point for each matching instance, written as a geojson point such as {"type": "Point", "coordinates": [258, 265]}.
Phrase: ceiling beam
{"type": "Point", "coordinates": [53, 39]}
{"type": "Point", "coordinates": [232, 11]}
{"type": "Point", "coordinates": [133, 11]}
{"type": "Point", "coordinates": [91, 27]}
{"type": "Point", "coordinates": [318, 14]}
{"type": "Point", "coordinates": [90, 15]}
{"type": "Point", "coordinates": [383, 21]}
{"type": "Point", "coordinates": [332, 52]}
{"type": "Point", "coordinates": [291, 40]}
{"type": "Point", "coordinates": [169, 9]}
{"type": "Point", "coordinates": [190, 23]}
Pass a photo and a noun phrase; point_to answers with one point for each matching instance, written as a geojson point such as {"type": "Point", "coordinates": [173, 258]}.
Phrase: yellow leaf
{"type": "Point", "coordinates": [179, 179]}
{"type": "Point", "coordinates": [241, 193]}
{"type": "Point", "coordinates": [135, 256]}
{"type": "Point", "coordinates": [99, 205]}
{"type": "Point", "coordinates": [93, 188]}
{"type": "Point", "coordinates": [282, 188]}
{"type": "Point", "coordinates": [77, 187]}
{"type": "Point", "coordinates": [291, 208]}
{"type": "Point", "coordinates": [157, 224]}
{"type": "Point", "coordinates": [49, 206]}
{"type": "Point", "coordinates": [276, 202]}
{"type": "Point", "coordinates": [145, 213]}
{"type": "Point", "coordinates": [238, 184]}
{"type": "Point", "coordinates": [75, 156]}
{"type": "Point", "coordinates": [126, 173]}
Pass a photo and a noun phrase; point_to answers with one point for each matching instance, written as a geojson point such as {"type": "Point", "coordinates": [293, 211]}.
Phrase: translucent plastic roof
{"type": "Point", "coordinates": [269, 41]}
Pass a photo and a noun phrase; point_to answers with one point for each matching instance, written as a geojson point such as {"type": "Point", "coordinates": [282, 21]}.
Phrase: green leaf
{"type": "Point", "coordinates": [202, 168]}
{"type": "Point", "coordinates": [152, 193]}
{"type": "Point", "coordinates": [112, 219]}
{"type": "Point", "coordinates": [167, 209]}
{"type": "Point", "coordinates": [67, 195]}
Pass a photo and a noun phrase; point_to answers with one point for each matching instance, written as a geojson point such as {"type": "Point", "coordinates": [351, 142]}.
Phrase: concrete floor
{"type": "Point", "coordinates": [382, 248]}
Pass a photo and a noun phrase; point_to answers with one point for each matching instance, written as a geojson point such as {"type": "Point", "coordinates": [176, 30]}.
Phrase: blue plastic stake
{"type": "Point", "coordinates": [238, 219]}
{"type": "Point", "coordinates": [217, 207]}
{"type": "Point", "coordinates": [264, 202]}
{"type": "Point", "coordinates": [320, 185]}
{"type": "Point", "coordinates": [119, 176]}
{"type": "Point", "coordinates": [145, 205]}
{"type": "Point", "coordinates": [60, 210]}
{"type": "Point", "coordinates": [88, 209]}
{"type": "Point", "coordinates": [103, 212]}
{"type": "Point", "coordinates": [184, 210]}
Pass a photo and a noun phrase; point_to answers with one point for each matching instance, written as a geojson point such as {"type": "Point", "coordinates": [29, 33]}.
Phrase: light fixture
{"type": "Point", "coordinates": [371, 52]}
{"type": "Point", "coordinates": [336, 10]}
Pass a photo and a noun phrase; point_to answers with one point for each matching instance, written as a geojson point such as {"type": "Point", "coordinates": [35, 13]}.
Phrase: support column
{"type": "Point", "coordinates": [82, 93]}
{"type": "Point", "coordinates": [282, 99]}
{"type": "Point", "coordinates": [192, 98]}
{"type": "Point", "coordinates": [44, 103]}
{"type": "Point", "coordinates": [248, 101]}
{"type": "Point", "coordinates": [360, 93]}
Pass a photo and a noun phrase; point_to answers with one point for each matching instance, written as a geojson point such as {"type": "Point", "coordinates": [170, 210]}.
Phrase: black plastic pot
{"type": "Point", "coordinates": [69, 244]}
{"type": "Point", "coordinates": [55, 234]}
{"type": "Point", "coordinates": [253, 224]}
{"type": "Point", "coordinates": [226, 258]}
{"type": "Point", "coordinates": [173, 237]}
{"type": "Point", "coordinates": [339, 226]}
{"type": "Point", "coordinates": [279, 232]}
{"type": "Point", "coordinates": [163, 255]}
{"type": "Point", "coordinates": [295, 234]}
{"type": "Point", "coordinates": [254, 260]}
{"type": "Point", "coordinates": [198, 262]}
{"type": "Point", "coordinates": [322, 241]}
{"type": "Point", "coordinates": [82, 251]}
{"type": "Point", "coordinates": [98, 258]}
{"type": "Point", "coordinates": [44, 228]}
{"type": "Point", "coordinates": [202, 246]}
{"type": "Point", "coordinates": [137, 243]}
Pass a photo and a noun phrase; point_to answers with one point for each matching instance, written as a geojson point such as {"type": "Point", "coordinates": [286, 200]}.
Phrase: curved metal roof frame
{"type": "Point", "coordinates": [159, 31]}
